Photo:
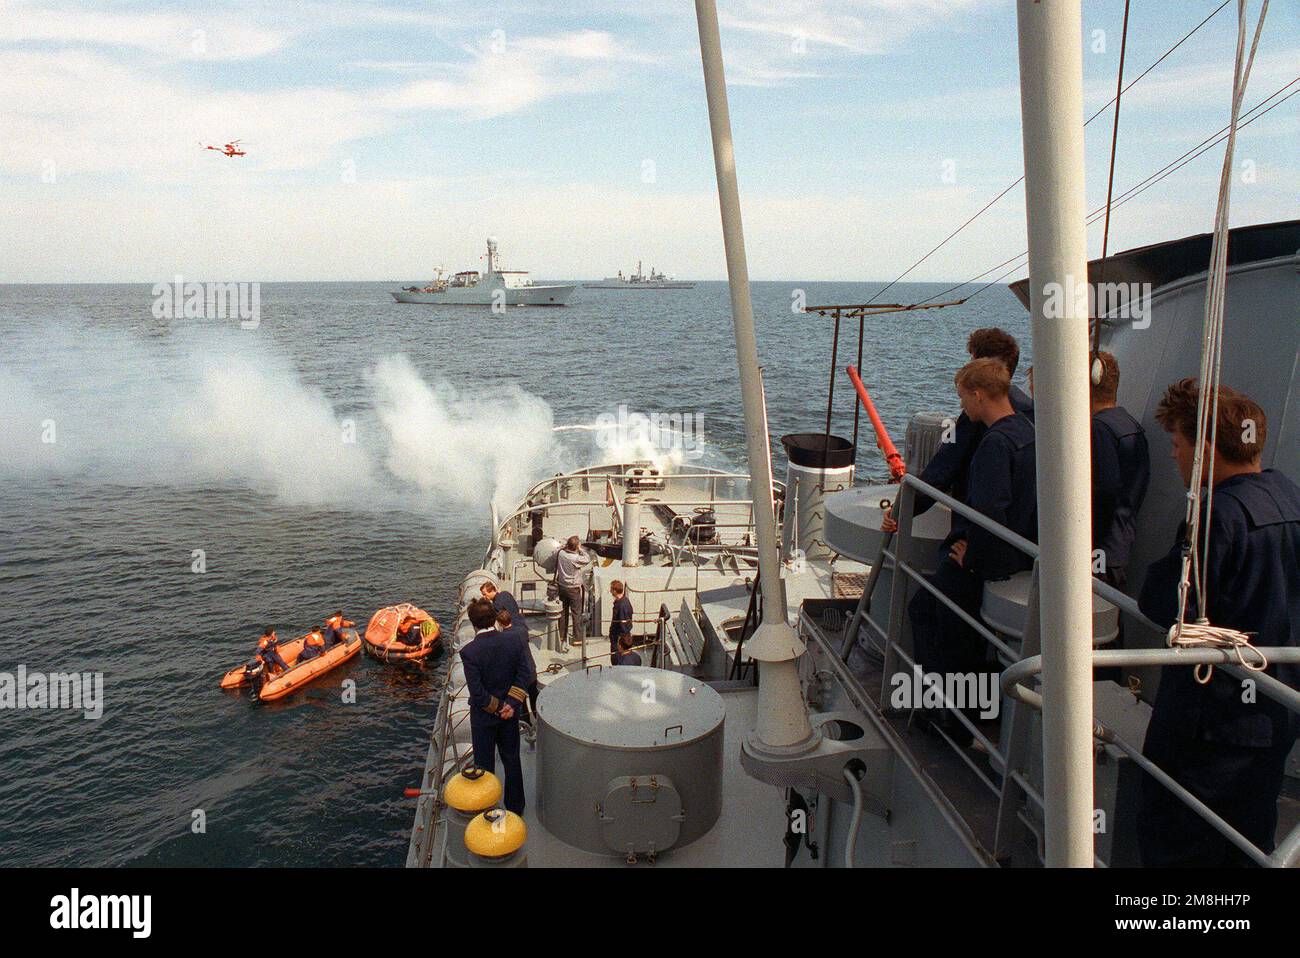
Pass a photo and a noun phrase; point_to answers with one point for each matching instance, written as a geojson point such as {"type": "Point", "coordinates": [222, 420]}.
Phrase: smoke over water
{"type": "Point", "coordinates": [209, 409]}
{"type": "Point", "coordinates": [126, 408]}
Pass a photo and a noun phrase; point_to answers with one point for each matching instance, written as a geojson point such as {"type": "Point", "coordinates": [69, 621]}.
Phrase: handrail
{"type": "Point", "coordinates": [569, 476]}
{"type": "Point", "coordinates": [543, 506]}
{"type": "Point", "coordinates": [1017, 673]}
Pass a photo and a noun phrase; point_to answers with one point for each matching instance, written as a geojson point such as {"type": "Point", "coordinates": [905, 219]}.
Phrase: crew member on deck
{"type": "Point", "coordinates": [948, 469]}
{"type": "Point", "coordinates": [625, 655]}
{"type": "Point", "coordinates": [1001, 486]}
{"type": "Point", "coordinates": [501, 600]}
{"type": "Point", "coordinates": [515, 626]}
{"type": "Point", "coordinates": [620, 617]}
{"type": "Point", "coordinates": [571, 564]}
{"type": "Point", "coordinates": [1224, 742]}
{"type": "Point", "coordinates": [268, 650]}
{"type": "Point", "coordinates": [1121, 469]}
{"type": "Point", "coordinates": [498, 670]}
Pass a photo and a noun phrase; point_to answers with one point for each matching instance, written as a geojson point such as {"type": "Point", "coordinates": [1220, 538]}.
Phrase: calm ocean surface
{"type": "Point", "coordinates": [343, 453]}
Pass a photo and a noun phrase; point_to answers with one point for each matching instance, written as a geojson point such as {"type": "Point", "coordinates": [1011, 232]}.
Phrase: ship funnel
{"type": "Point", "coordinates": [819, 463]}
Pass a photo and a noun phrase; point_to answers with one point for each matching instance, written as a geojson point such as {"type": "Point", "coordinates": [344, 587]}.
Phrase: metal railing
{"type": "Point", "coordinates": [1011, 757]}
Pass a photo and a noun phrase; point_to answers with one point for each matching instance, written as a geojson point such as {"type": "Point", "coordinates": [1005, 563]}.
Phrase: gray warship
{"type": "Point", "coordinates": [770, 615]}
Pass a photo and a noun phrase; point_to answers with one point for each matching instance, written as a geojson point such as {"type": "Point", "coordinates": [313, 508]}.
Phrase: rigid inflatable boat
{"type": "Point", "coordinates": [299, 672]}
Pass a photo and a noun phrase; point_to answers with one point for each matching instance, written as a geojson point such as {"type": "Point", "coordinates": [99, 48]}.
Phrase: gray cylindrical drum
{"type": "Point", "coordinates": [925, 435]}
{"type": "Point", "coordinates": [629, 759]}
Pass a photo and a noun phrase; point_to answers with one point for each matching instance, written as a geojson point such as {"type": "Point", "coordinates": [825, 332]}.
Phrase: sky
{"type": "Point", "coordinates": [385, 139]}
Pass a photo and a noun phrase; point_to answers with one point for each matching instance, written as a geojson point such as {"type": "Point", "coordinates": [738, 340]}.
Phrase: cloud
{"type": "Point", "coordinates": [505, 75]}
{"type": "Point", "coordinates": [172, 35]}
{"type": "Point", "coordinates": [768, 42]}
{"type": "Point", "coordinates": [82, 113]}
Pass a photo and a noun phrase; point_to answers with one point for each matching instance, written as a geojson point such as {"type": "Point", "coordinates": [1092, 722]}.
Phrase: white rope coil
{"type": "Point", "coordinates": [1201, 635]}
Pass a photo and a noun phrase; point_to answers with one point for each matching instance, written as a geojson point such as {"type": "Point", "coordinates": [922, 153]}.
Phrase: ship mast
{"type": "Point", "coordinates": [783, 727]}
{"type": "Point", "coordinates": [1051, 102]}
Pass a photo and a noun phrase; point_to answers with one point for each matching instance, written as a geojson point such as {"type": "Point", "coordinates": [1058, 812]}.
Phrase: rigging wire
{"type": "Point", "coordinates": [1021, 179]}
{"type": "Point", "coordinates": [1137, 189]}
{"type": "Point", "coordinates": [1196, 548]}
{"type": "Point", "coordinates": [1096, 370]}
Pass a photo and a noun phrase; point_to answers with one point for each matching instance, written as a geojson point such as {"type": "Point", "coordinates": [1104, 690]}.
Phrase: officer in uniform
{"type": "Point", "coordinates": [498, 670]}
{"type": "Point", "coordinates": [514, 625]}
{"type": "Point", "coordinates": [1226, 746]}
{"type": "Point", "coordinates": [1002, 486]}
{"type": "Point", "coordinates": [948, 469]}
{"type": "Point", "coordinates": [1121, 471]}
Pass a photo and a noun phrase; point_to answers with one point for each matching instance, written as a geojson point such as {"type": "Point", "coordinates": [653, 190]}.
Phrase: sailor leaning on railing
{"type": "Point", "coordinates": [1209, 733]}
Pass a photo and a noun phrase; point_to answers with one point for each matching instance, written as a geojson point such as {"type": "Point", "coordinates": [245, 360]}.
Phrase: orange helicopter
{"type": "Point", "coordinates": [230, 149]}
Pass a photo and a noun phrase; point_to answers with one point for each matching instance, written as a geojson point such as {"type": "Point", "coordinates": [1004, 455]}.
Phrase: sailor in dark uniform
{"type": "Point", "coordinates": [620, 616]}
{"type": "Point", "coordinates": [625, 655]}
{"type": "Point", "coordinates": [501, 600]}
{"type": "Point", "coordinates": [516, 627]}
{"type": "Point", "coordinates": [948, 469]}
{"type": "Point", "coordinates": [1002, 486]}
{"type": "Point", "coordinates": [1121, 471]}
{"type": "Point", "coordinates": [1225, 745]}
{"type": "Point", "coordinates": [498, 670]}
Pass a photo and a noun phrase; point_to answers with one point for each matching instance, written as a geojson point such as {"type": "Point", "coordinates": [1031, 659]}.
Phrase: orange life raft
{"type": "Point", "coordinates": [299, 673]}
{"type": "Point", "coordinates": [381, 634]}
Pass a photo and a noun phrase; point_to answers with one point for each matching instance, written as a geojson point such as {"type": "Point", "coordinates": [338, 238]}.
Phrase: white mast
{"type": "Point", "coordinates": [783, 725]}
{"type": "Point", "coordinates": [1051, 103]}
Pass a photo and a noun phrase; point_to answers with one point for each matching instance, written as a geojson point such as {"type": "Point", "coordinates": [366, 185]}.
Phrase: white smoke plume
{"type": "Point", "coordinates": [210, 409]}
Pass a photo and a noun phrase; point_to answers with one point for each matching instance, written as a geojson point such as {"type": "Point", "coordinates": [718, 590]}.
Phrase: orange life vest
{"type": "Point", "coordinates": [315, 639]}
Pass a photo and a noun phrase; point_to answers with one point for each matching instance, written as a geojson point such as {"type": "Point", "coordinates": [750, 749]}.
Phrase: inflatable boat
{"type": "Point", "coordinates": [299, 672]}
{"type": "Point", "coordinates": [381, 634]}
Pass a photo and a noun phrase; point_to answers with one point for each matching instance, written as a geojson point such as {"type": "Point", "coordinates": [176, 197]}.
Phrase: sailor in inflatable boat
{"type": "Point", "coordinates": [334, 627]}
{"type": "Point", "coordinates": [314, 646]}
{"type": "Point", "coordinates": [268, 652]}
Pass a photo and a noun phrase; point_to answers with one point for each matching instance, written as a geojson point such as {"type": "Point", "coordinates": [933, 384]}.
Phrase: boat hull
{"type": "Point", "coordinates": [299, 673]}
{"type": "Point", "coordinates": [638, 286]}
{"type": "Point", "coordinates": [481, 296]}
